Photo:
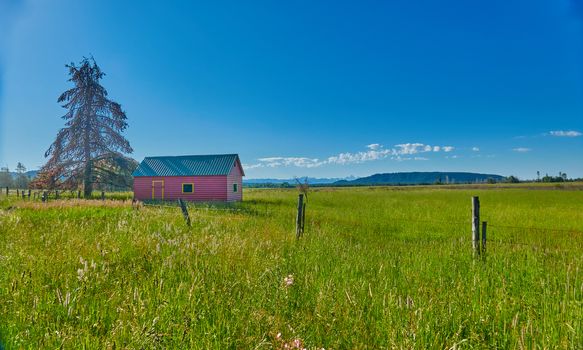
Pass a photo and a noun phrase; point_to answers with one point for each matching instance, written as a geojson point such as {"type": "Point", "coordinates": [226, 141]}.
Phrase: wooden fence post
{"type": "Point", "coordinates": [184, 211]}
{"type": "Point", "coordinates": [476, 224]}
{"type": "Point", "coordinates": [484, 229]}
{"type": "Point", "coordinates": [6, 191]}
{"type": "Point", "coordinates": [17, 193]}
{"type": "Point", "coordinates": [79, 194]}
{"type": "Point", "coordinates": [102, 195]}
{"type": "Point", "coordinates": [303, 216]}
{"type": "Point", "coordinates": [29, 194]}
{"type": "Point", "coordinates": [300, 215]}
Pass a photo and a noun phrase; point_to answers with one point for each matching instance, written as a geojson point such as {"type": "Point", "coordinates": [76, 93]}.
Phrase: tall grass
{"type": "Point", "coordinates": [376, 268]}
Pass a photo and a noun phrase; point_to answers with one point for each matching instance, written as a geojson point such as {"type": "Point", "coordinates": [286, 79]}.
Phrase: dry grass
{"type": "Point", "coordinates": [72, 203]}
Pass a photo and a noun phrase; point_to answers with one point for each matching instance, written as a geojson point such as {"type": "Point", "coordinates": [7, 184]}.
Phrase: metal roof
{"type": "Point", "coordinates": [197, 165]}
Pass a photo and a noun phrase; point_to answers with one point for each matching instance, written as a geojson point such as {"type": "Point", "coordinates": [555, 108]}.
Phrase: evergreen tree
{"type": "Point", "coordinates": [21, 179]}
{"type": "Point", "coordinates": [6, 178]}
{"type": "Point", "coordinates": [90, 148]}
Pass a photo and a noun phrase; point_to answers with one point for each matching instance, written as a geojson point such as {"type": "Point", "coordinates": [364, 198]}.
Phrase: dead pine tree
{"type": "Point", "coordinates": [90, 148]}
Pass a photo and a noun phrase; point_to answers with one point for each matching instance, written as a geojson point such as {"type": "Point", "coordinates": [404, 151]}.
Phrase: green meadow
{"type": "Point", "coordinates": [377, 268]}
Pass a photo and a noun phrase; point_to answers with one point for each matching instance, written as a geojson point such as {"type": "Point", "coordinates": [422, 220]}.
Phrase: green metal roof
{"type": "Point", "coordinates": [199, 165]}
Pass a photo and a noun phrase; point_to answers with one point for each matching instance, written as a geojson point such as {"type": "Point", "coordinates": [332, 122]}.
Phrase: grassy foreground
{"type": "Point", "coordinates": [377, 268]}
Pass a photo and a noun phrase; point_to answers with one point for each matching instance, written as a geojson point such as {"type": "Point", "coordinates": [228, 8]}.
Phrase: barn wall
{"type": "Point", "coordinates": [206, 188]}
{"type": "Point", "coordinates": [235, 177]}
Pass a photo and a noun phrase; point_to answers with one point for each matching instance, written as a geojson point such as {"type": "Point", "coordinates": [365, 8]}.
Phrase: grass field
{"type": "Point", "coordinates": [383, 267]}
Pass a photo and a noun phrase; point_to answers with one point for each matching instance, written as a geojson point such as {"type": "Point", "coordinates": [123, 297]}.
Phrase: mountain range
{"type": "Point", "coordinates": [31, 174]}
{"type": "Point", "coordinates": [401, 178]}
{"type": "Point", "coordinates": [418, 178]}
{"type": "Point", "coordinates": [311, 180]}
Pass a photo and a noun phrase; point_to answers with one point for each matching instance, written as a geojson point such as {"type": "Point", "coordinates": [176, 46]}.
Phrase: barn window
{"type": "Point", "coordinates": [187, 188]}
{"type": "Point", "coordinates": [234, 187]}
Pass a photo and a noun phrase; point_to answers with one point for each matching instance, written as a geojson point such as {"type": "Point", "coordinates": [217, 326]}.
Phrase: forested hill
{"type": "Point", "coordinates": [415, 178]}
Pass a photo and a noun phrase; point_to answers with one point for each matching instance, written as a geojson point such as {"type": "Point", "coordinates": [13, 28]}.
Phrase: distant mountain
{"type": "Point", "coordinates": [418, 178]}
{"type": "Point", "coordinates": [311, 180]}
{"type": "Point", "coordinates": [31, 174]}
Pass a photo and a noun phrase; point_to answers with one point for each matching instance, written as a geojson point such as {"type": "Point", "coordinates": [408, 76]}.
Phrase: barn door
{"type": "Point", "coordinates": [158, 189]}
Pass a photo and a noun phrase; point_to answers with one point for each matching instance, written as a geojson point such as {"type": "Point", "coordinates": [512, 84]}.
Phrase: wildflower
{"type": "Point", "coordinates": [289, 280]}
{"type": "Point", "coordinates": [80, 274]}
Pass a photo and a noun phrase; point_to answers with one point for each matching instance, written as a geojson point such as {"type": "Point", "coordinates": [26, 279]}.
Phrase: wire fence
{"type": "Point", "coordinates": [497, 233]}
{"type": "Point", "coordinates": [531, 228]}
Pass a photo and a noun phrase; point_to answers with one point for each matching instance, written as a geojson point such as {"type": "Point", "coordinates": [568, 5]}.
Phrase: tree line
{"type": "Point", "coordinates": [21, 180]}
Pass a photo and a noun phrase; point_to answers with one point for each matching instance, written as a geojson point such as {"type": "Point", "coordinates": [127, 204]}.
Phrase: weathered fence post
{"type": "Point", "coordinates": [299, 223]}
{"type": "Point", "coordinates": [79, 194]}
{"type": "Point", "coordinates": [102, 195]}
{"type": "Point", "coordinates": [484, 229]}
{"type": "Point", "coordinates": [6, 191]}
{"type": "Point", "coordinates": [303, 216]}
{"type": "Point", "coordinates": [29, 194]}
{"type": "Point", "coordinates": [17, 193]}
{"type": "Point", "coordinates": [184, 211]}
{"type": "Point", "coordinates": [476, 224]}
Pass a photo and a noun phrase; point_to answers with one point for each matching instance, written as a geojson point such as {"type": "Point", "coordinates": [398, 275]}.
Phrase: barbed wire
{"type": "Point", "coordinates": [532, 228]}
{"type": "Point", "coordinates": [491, 240]}
{"type": "Point", "coordinates": [431, 221]}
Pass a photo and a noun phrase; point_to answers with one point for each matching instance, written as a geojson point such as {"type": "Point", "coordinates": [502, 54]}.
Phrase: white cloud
{"type": "Point", "coordinates": [410, 148]}
{"type": "Point", "coordinates": [522, 149]}
{"type": "Point", "coordinates": [359, 157]}
{"type": "Point", "coordinates": [252, 166]}
{"type": "Point", "coordinates": [302, 162]}
{"type": "Point", "coordinates": [475, 149]}
{"type": "Point", "coordinates": [375, 151]}
{"type": "Point", "coordinates": [568, 133]}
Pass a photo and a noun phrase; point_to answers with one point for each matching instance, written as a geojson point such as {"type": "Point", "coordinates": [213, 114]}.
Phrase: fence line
{"type": "Point", "coordinates": [431, 221]}
{"type": "Point", "coordinates": [531, 228]}
{"type": "Point", "coordinates": [196, 212]}
{"type": "Point", "coordinates": [492, 238]}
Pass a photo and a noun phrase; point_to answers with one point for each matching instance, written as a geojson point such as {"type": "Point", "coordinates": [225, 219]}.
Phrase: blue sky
{"type": "Point", "coordinates": [325, 89]}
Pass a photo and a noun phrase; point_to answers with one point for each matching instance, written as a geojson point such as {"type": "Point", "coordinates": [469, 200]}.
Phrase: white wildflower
{"type": "Point", "coordinates": [289, 280]}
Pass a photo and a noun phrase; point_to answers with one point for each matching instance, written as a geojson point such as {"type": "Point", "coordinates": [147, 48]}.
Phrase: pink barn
{"type": "Point", "coordinates": [193, 178]}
